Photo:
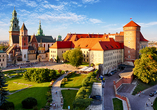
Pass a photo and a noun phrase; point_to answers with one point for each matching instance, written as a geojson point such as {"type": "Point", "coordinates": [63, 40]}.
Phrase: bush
{"type": "Point", "coordinates": [29, 103]}
{"type": "Point", "coordinates": [7, 106]}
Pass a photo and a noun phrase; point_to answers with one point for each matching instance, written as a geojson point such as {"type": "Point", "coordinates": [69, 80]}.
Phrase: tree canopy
{"type": "Point", "coordinates": [146, 67]}
{"type": "Point", "coordinates": [74, 56]}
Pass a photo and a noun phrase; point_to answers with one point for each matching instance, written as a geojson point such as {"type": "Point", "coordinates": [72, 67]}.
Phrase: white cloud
{"type": "Point", "coordinates": [147, 24]}
{"type": "Point", "coordinates": [95, 21]}
{"type": "Point", "coordinates": [62, 17]}
{"type": "Point", "coordinates": [90, 1]}
{"type": "Point", "coordinates": [29, 3]}
{"type": "Point", "coordinates": [3, 24]}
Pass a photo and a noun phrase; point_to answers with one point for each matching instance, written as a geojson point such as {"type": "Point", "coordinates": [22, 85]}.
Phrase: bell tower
{"type": "Point", "coordinates": [23, 42]}
{"type": "Point", "coordinates": [14, 27]}
{"type": "Point", "coordinates": [131, 41]}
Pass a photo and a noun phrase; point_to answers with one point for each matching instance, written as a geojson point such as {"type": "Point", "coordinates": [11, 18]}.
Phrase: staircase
{"type": "Point", "coordinates": [10, 48]}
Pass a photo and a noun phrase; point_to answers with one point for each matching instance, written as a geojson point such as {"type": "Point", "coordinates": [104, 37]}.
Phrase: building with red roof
{"type": "Point", "coordinates": [110, 50]}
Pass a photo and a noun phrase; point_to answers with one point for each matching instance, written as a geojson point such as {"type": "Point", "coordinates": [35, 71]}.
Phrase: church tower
{"type": "Point", "coordinates": [131, 41]}
{"type": "Point", "coordinates": [40, 31]}
{"type": "Point", "coordinates": [14, 28]}
{"type": "Point", "coordinates": [23, 42]}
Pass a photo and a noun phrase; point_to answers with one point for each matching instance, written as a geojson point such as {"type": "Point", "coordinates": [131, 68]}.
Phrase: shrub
{"type": "Point", "coordinates": [7, 106]}
{"type": "Point", "coordinates": [29, 103]}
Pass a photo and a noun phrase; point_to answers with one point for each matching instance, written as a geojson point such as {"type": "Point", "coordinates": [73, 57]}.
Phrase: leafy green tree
{"type": "Point", "coordinates": [65, 55]}
{"type": "Point", "coordinates": [3, 47]}
{"type": "Point", "coordinates": [75, 57]}
{"type": "Point", "coordinates": [3, 86]}
{"type": "Point", "coordinates": [146, 67]}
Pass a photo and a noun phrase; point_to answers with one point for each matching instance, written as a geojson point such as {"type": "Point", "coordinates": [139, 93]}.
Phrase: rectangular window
{"type": "Point", "coordinates": [24, 55]}
{"type": "Point", "coordinates": [3, 59]}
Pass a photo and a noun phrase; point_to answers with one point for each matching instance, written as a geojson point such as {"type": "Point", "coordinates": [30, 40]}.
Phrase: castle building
{"type": "Point", "coordinates": [24, 47]}
{"type": "Point", "coordinates": [109, 50]}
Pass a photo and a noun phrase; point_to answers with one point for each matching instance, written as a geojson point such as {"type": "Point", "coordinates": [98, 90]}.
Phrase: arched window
{"type": "Point", "coordinates": [48, 45]}
{"type": "Point", "coordinates": [44, 45]}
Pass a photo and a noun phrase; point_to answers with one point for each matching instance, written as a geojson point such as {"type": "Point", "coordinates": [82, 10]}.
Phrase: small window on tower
{"type": "Point", "coordinates": [128, 51]}
{"type": "Point", "coordinates": [129, 56]}
{"type": "Point", "coordinates": [24, 55]}
{"type": "Point", "coordinates": [24, 43]}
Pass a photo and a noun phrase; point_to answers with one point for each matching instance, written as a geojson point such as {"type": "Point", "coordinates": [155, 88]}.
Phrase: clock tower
{"type": "Point", "coordinates": [14, 28]}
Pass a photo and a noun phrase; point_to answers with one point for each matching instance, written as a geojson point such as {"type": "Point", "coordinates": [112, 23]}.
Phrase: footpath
{"type": "Point", "coordinates": [57, 98]}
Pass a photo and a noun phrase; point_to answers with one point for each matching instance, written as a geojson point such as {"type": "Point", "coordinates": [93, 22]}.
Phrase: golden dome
{"type": "Point", "coordinates": [41, 48]}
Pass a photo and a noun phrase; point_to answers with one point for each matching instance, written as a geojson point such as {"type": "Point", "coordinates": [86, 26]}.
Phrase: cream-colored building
{"type": "Point", "coordinates": [109, 50]}
{"type": "Point", "coordinates": [3, 59]}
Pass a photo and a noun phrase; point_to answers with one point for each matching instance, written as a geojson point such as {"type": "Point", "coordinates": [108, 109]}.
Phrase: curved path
{"type": "Point", "coordinates": [57, 97]}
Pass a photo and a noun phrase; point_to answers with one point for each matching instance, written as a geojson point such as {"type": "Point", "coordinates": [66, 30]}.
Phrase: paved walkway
{"type": "Point", "coordinates": [56, 97]}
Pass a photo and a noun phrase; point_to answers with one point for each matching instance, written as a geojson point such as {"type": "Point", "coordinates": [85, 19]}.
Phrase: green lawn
{"type": "Point", "coordinates": [83, 63]}
{"type": "Point", "coordinates": [75, 81]}
{"type": "Point", "coordinates": [37, 90]}
{"type": "Point", "coordinates": [142, 86]}
{"type": "Point", "coordinates": [118, 105]}
{"type": "Point", "coordinates": [69, 97]}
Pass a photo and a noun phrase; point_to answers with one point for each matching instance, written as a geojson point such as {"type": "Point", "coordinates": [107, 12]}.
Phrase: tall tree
{"type": "Point", "coordinates": [65, 55]}
{"type": "Point", "coordinates": [75, 57]}
{"type": "Point", "coordinates": [146, 67]}
{"type": "Point", "coordinates": [3, 86]}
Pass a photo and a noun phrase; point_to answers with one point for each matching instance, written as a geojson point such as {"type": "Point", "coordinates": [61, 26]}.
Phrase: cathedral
{"type": "Point", "coordinates": [24, 47]}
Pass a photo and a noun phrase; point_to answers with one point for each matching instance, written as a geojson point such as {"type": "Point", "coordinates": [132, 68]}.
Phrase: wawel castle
{"type": "Point", "coordinates": [110, 50]}
{"type": "Point", "coordinates": [24, 47]}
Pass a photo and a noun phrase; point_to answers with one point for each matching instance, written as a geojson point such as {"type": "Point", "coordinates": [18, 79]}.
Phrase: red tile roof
{"type": "Point", "coordinates": [62, 44]}
{"type": "Point", "coordinates": [142, 38]}
{"type": "Point", "coordinates": [131, 23]}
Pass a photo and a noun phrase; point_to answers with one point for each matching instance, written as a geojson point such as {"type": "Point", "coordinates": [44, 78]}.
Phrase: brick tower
{"type": "Point", "coordinates": [14, 28]}
{"type": "Point", "coordinates": [23, 42]}
{"type": "Point", "coordinates": [131, 41]}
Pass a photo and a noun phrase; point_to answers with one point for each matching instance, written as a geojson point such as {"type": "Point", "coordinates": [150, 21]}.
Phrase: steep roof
{"type": "Point", "coordinates": [45, 38]}
{"type": "Point", "coordinates": [62, 44]}
{"type": "Point", "coordinates": [131, 23]}
{"type": "Point", "coordinates": [142, 38]}
{"type": "Point", "coordinates": [23, 27]}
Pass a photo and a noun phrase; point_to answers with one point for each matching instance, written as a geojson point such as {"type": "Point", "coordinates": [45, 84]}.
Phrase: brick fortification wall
{"type": "Point", "coordinates": [117, 85]}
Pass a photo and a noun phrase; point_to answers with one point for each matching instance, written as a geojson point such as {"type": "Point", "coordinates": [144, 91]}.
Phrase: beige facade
{"type": "Point", "coordinates": [32, 56]}
{"type": "Point", "coordinates": [3, 59]}
{"type": "Point", "coordinates": [96, 57]}
{"type": "Point", "coordinates": [86, 54]}
{"type": "Point", "coordinates": [112, 58]}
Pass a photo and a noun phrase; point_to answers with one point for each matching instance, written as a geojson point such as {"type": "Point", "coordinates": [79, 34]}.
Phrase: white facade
{"type": "Point", "coordinates": [24, 54]}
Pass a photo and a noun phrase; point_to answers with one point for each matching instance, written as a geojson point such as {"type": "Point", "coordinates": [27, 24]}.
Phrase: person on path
{"type": "Point", "coordinates": [56, 92]}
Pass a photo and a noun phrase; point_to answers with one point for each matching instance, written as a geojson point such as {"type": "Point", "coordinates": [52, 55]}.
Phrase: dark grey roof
{"type": "Point", "coordinates": [30, 48]}
{"type": "Point", "coordinates": [15, 38]}
{"type": "Point", "coordinates": [45, 39]}
{"type": "Point", "coordinates": [23, 27]}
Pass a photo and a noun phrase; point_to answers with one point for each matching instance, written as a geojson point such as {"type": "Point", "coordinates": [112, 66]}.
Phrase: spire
{"type": "Point", "coordinates": [14, 22]}
{"type": "Point", "coordinates": [23, 27]}
{"type": "Point", "coordinates": [40, 31]}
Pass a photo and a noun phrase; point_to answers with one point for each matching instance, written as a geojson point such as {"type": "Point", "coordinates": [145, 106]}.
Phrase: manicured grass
{"type": "Point", "coordinates": [142, 86]}
{"type": "Point", "coordinates": [37, 90]}
{"type": "Point", "coordinates": [83, 63]}
{"type": "Point", "coordinates": [155, 104]}
{"type": "Point", "coordinates": [75, 81]}
{"type": "Point", "coordinates": [69, 97]}
{"type": "Point", "coordinates": [118, 105]}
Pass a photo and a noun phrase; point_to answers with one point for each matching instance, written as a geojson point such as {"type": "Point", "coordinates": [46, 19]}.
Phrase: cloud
{"type": "Point", "coordinates": [95, 21]}
{"type": "Point", "coordinates": [147, 24]}
{"type": "Point", "coordinates": [29, 3]}
{"type": "Point", "coordinates": [73, 17]}
{"type": "Point", "coordinates": [3, 24]}
{"type": "Point", "coordinates": [90, 1]}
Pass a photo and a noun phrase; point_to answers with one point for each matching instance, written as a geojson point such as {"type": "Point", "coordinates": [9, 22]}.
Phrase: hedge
{"type": "Point", "coordinates": [42, 75]}
{"type": "Point", "coordinates": [82, 99]}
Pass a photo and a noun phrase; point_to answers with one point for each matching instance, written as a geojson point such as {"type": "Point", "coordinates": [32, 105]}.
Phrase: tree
{"type": "Point", "coordinates": [75, 57]}
{"type": "Point", "coordinates": [3, 47]}
{"type": "Point", "coordinates": [3, 91]}
{"type": "Point", "coordinates": [146, 67]}
{"type": "Point", "coordinates": [65, 55]}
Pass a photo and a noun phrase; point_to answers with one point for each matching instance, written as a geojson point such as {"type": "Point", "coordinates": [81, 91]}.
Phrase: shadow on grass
{"type": "Point", "coordinates": [37, 92]}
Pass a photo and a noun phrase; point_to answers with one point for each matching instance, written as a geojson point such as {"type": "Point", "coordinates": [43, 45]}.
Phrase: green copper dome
{"type": "Point", "coordinates": [59, 38]}
{"type": "Point", "coordinates": [14, 22]}
{"type": "Point", "coordinates": [40, 31]}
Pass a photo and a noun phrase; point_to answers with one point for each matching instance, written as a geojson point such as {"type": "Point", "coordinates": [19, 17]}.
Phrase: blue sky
{"type": "Point", "coordinates": [80, 16]}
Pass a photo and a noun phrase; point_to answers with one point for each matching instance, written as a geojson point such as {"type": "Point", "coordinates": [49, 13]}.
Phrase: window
{"type": "Point", "coordinates": [3, 55]}
{"type": "Point", "coordinates": [128, 51]}
{"type": "Point", "coordinates": [0, 55]}
{"type": "Point", "coordinates": [0, 60]}
{"type": "Point", "coordinates": [87, 55]}
{"type": "Point", "coordinates": [129, 56]}
{"type": "Point", "coordinates": [84, 55]}
{"type": "Point", "coordinates": [24, 55]}
{"type": "Point", "coordinates": [3, 59]}
{"type": "Point", "coordinates": [84, 60]}
{"type": "Point", "coordinates": [87, 59]}
{"type": "Point", "coordinates": [1, 64]}
{"type": "Point", "coordinates": [24, 43]}
{"type": "Point", "coordinates": [44, 45]}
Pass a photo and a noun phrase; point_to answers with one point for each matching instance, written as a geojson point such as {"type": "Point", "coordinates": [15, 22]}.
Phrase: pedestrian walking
{"type": "Point", "coordinates": [56, 92]}
{"type": "Point", "coordinates": [149, 99]}
{"type": "Point", "coordinates": [146, 105]}
{"type": "Point", "coordinates": [151, 104]}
